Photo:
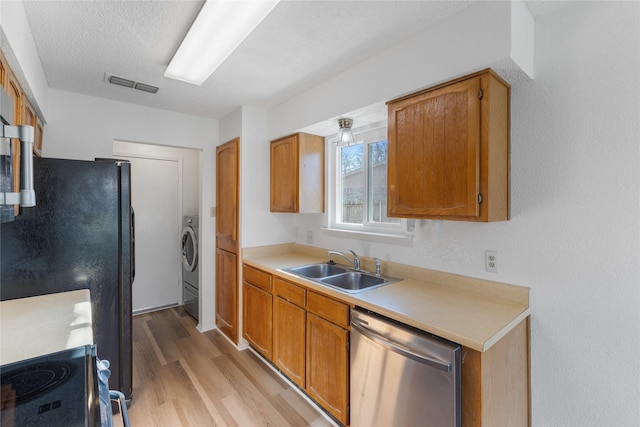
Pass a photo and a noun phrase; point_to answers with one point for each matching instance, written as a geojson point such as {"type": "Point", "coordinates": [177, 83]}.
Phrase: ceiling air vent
{"type": "Point", "coordinates": [146, 88]}
{"type": "Point", "coordinates": [130, 83]}
{"type": "Point", "coordinates": [121, 82]}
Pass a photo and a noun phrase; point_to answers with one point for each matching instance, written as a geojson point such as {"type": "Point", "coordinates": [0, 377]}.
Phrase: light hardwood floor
{"type": "Point", "coordinates": [182, 377]}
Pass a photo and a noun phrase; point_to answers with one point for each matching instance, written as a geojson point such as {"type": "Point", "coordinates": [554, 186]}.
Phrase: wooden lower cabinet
{"type": "Point", "coordinates": [310, 337]}
{"type": "Point", "coordinates": [289, 331]}
{"type": "Point", "coordinates": [328, 366]}
{"type": "Point", "coordinates": [311, 347]}
{"type": "Point", "coordinates": [495, 383]}
{"type": "Point", "coordinates": [227, 293]}
{"type": "Point", "coordinates": [257, 317]}
{"type": "Point", "coordinates": [257, 309]}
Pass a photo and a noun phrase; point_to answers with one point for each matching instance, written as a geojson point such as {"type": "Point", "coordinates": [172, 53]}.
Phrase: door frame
{"type": "Point", "coordinates": [178, 223]}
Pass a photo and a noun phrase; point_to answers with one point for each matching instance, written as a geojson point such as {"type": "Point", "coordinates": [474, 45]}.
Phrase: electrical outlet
{"type": "Point", "coordinates": [491, 261]}
{"type": "Point", "coordinates": [310, 237]}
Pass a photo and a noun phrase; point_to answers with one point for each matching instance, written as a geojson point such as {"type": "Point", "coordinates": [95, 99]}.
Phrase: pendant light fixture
{"type": "Point", "coordinates": [344, 138]}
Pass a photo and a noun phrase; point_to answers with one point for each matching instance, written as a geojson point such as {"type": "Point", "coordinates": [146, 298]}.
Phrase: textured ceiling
{"type": "Point", "coordinates": [300, 44]}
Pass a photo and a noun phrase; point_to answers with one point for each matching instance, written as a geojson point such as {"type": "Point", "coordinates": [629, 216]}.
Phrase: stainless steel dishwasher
{"type": "Point", "coordinates": [401, 376]}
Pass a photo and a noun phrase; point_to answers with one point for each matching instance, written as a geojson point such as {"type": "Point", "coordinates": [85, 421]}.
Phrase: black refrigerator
{"type": "Point", "coordinates": [80, 235]}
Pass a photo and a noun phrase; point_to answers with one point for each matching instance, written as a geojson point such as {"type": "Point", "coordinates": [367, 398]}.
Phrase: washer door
{"type": "Point", "coordinates": [189, 249]}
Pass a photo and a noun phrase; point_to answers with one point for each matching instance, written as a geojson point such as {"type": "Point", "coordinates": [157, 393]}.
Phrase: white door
{"type": "Point", "coordinates": [155, 198]}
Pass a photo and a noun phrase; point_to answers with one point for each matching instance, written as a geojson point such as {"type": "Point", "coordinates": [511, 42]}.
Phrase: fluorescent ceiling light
{"type": "Point", "coordinates": [218, 30]}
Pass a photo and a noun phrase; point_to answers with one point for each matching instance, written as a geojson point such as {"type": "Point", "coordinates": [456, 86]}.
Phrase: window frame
{"type": "Point", "coordinates": [376, 231]}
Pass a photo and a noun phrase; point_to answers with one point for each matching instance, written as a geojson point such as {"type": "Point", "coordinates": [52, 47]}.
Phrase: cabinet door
{"type": "Point", "coordinates": [434, 153]}
{"type": "Point", "coordinates": [289, 340]}
{"type": "Point", "coordinates": [39, 137]}
{"type": "Point", "coordinates": [227, 293]}
{"type": "Point", "coordinates": [3, 71]}
{"type": "Point", "coordinates": [227, 191]}
{"type": "Point", "coordinates": [257, 318]}
{"type": "Point", "coordinates": [327, 366]}
{"type": "Point", "coordinates": [28, 113]}
{"type": "Point", "coordinates": [13, 89]}
{"type": "Point", "coordinates": [284, 175]}
{"type": "Point", "coordinates": [30, 118]}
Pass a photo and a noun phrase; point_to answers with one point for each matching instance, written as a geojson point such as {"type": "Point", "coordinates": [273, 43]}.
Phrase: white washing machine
{"type": "Point", "coordinates": [190, 289]}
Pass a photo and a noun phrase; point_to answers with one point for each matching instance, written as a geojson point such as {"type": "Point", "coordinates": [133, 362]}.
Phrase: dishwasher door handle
{"type": "Point", "coordinates": [398, 348]}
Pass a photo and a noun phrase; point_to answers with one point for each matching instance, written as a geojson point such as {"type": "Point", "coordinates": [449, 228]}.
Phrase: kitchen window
{"type": "Point", "coordinates": [359, 187]}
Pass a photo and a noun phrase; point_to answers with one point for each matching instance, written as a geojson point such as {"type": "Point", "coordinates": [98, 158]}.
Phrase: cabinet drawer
{"type": "Point", "coordinates": [329, 309]}
{"type": "Point", "coordinates": [257, 277]}
{"type": "Point", "coordinates": [290, 292]}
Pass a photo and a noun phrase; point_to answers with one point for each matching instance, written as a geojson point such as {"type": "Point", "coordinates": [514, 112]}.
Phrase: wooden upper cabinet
{"type": "Point", "coordinates": [3, 70]}
{"type": "Point", "coordinates": [449, 151]}
{"type": "Point", "coordinates": [30, 117]}
{"type": "Point", "coordinates": [297, 174]}
{"type": "Point", "coordinates": [13, 89]}
{"type": "Point", "coordinates": [23, 114]}
{"type": "Point", "coordinates": [28, 113]}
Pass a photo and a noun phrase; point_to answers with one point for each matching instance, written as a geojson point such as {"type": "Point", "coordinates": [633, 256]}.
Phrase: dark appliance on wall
{"type": "Point", "coordinates": [80, 235]}
{"type": "Point", "coordinates": [67, 388]}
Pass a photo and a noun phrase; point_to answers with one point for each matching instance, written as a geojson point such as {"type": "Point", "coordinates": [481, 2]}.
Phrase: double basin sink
{"type": "Point", "coordinates": [341, 278]}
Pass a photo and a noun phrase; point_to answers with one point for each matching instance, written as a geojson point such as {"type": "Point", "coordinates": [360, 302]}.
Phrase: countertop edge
{"type": "Point", "coordinates": [520, 312]}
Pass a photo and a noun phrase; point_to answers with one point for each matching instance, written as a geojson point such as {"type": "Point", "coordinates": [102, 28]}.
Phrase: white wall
{"type": "Point", "coordinates": [258, 226]}
{"type": "Point", "coordinates": [20, 50]}
{"type": "Point", "coordinates": [189, 158]}
{"type": "Point", "coordinates": [482, 35]}
{"type": "Point", "coordinates": [576, 203]}
{"type": "Point", "coordinates": [84, 127]}
{"type": "Point", "coordinates": [574, 233]}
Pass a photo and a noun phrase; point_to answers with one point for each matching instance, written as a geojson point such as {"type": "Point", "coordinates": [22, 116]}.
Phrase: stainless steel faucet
{"type": "Point", "coordinates": [355, 262]}
{"type": "Point", "coordinates": [378, 265]}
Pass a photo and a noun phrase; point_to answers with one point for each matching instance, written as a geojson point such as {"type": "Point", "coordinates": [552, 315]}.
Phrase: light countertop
{"type": "Point", "coordinates": [35, 326]}
{"type": "Point", "coordinates": [459, 310]}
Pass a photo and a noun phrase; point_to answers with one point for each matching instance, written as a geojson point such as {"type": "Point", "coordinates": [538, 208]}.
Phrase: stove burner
{"type": "Point", "coordinates": [29, 382]}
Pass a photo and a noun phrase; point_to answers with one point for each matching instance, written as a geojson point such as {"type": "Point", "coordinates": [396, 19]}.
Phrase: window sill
{"type": "Point", "coordinates": [392, 239]}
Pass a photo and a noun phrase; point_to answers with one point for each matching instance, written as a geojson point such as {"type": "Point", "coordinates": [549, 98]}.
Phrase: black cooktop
{"type": "Point", "coordinates": [59, 389]}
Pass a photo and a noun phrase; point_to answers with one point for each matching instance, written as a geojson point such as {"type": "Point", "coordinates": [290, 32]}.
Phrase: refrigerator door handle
{"type": "Point", "coordinates": [118, 397]}
{"type": "Point", "coordinates": [133, 245]}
